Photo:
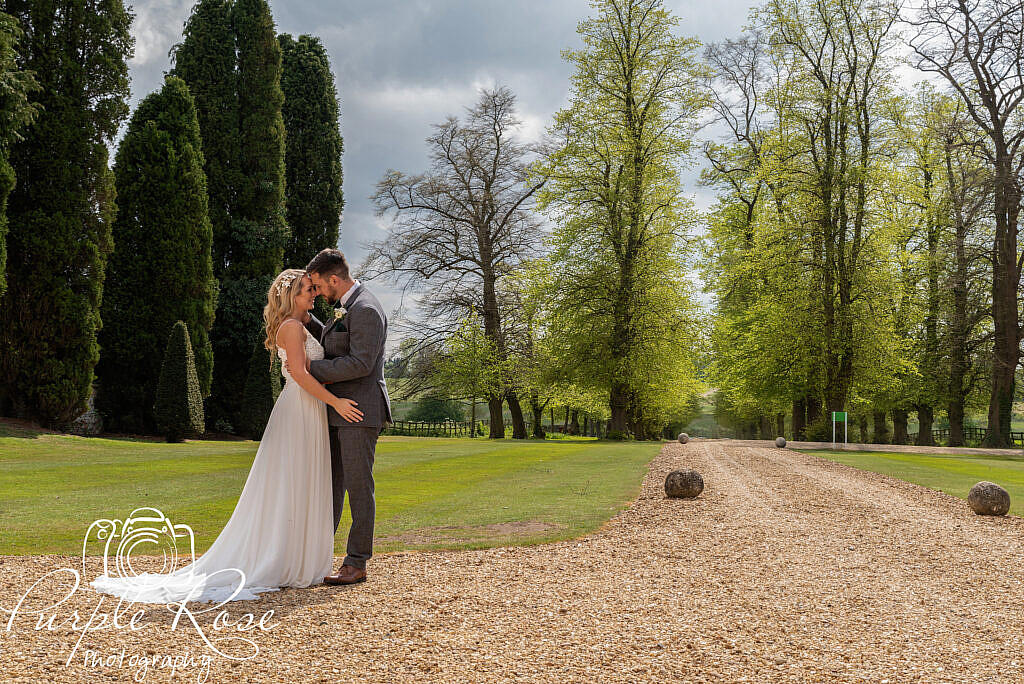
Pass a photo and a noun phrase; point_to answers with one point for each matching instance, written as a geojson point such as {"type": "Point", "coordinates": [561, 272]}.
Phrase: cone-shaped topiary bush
{"type": "Point", "coordinates": [179, 403]}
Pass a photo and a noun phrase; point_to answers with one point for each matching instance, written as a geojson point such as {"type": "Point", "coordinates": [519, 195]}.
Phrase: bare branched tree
{"type": "Point", "coordinates": [736, 83]}
{"type": "Point", "coordinates": [461, 227]}
{"type": "Point", "coordinates": [977, 46]}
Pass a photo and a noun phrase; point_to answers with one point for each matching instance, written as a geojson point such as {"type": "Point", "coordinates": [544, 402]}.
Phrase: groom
{"type": "Point", "coordinates": [353, 368]}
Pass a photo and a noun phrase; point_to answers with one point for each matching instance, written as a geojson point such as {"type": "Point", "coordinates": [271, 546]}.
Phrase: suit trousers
{"type": "Point", "coordinates": [352, 451]}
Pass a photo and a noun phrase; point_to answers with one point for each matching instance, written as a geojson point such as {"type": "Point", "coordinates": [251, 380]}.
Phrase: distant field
{"type": "Point", "coordinates": [431, 493]}
{"type": "Point", "coordinates": [954, 474]}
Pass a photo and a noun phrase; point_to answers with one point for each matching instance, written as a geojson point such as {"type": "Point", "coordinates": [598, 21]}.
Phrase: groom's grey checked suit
{"type": "Point", "coordinates": [353, 368]}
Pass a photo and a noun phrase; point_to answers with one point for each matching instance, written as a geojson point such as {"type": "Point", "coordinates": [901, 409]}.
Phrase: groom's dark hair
{"type": "Point", "coordinates": [329, 262]}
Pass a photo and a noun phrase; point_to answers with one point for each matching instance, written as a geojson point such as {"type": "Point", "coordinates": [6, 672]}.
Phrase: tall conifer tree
{"type": "Point", "coordinates": [258, 224]}
{"type": "Point", "coordinates": [162, 242]}
{"type": "Point", "coordinates": [15, 112]}
{"type": "Point", "coordinates": [313, 148]}
{"type": "Point", "coordinates": [60, 212]}
{"type": "Point", "coordinates": [231, 56]}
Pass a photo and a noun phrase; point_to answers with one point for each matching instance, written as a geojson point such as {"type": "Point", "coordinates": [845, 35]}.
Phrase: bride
{"type": "Point", "coordinates": [281, 533]}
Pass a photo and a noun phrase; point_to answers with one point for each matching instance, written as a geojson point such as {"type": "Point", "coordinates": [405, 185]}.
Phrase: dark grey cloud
{"type": "Point", "coordinates": [402, 66]}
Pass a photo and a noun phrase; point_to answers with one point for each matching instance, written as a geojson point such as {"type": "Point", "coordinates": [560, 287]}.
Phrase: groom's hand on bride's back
{"type": "Point", "coordinates": [288, 367]}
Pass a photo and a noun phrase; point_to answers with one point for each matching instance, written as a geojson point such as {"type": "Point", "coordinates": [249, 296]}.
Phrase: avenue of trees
{"type": "Point", "coordinates": [863, 252]}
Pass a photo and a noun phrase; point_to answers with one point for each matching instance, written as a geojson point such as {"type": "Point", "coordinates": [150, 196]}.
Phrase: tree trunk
{"type": "Point", "coordinates": [955, 409]}
{"type": "Point", "coordinates": [1005, 317]}
{"type": "Point", "coordinates": [813, 410]}
{"type": "Point", "coordinates": [960, 323]}
{"type": "Point", "coordinates": [780, 425]}
{"type": "Point", "coordinates": [925, 412]}
{"type": "Point", "coordinates": [565, 425]}
{"type": "Point", "coordinates": [518, 424]}
{"type": "Point", "coordinates": [618, 402]}
{"type": "Point", "coordinates": [472, 418]}
{"type": "Point", "coordinates": [538, 416]}
{"type": "Point", "coordinates": [925, 419]}
{"type": "Point", "coordinates": [497, 426]}
{"type": "Point", "coordinates": [764, 426]}
{"type": "Point", "coordinates": [862, 423]}
{"type": "Point", "coordinates": [799, 419]}
{"type": "Point", "coordinates": [636, 427]}
{"type": "Point", "coordinates": [574, 426]}
{"type": "Point", "coordinates": [899, 426]}
{"type": "Point", "coordinates": [881, 433]}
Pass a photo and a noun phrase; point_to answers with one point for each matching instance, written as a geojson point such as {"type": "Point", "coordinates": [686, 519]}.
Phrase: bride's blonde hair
{"type": "Point", "coordinates": [280, 300]}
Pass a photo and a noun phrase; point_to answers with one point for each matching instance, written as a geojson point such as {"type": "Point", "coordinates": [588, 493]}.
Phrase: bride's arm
{"type": "Point", "coordinates": [293, 339]}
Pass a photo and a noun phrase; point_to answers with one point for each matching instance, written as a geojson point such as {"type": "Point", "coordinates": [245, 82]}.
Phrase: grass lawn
{"type": "Point", "coordinates": [951, 473]}
{"type": "Point", "coordinates": [431, 493]}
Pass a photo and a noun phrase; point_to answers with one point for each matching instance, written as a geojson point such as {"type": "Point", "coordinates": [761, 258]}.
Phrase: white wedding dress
{"type": "Point", "coordinates": [281, 533]}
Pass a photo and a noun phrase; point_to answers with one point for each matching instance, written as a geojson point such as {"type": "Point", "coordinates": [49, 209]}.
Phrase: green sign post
{"type": "Point", "coordinates": [838, 416]}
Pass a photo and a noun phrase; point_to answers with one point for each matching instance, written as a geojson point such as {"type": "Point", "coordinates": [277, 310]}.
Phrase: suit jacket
{"type": "Point", "coordinates": [353, 364]}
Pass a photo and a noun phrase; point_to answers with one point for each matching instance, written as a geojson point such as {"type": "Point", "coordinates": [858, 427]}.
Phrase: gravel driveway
{"type": "Point", "coordinates": [787, 568]}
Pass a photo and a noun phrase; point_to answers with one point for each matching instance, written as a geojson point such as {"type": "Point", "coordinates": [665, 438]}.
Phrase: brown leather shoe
{"type": "Point", "coordinates": [346, 574]}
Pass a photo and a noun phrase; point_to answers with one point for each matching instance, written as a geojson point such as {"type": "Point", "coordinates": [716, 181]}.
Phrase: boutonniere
{"type": "Point", "coordinates": [339, 315]}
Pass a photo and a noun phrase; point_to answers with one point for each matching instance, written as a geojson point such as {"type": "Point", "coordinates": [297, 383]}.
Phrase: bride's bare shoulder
{"type": "Point", "coordinates": [287, 332]}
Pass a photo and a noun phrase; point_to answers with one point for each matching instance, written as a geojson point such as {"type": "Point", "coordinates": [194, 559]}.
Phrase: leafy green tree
{"type": "Point", "coordinates": [162, 239]}
{"type": "Point", "coordinates": [313, 148]}
{"type": "Point", "coordinates": [436, 410]}
{"type": "Point", "coordinates": [837, 56]}
{"type": "Point", "coordinates": [15, 112]}
{"type": "Point", "coordinates": [624, 305]}
{"type": "Point", "coordinates": [60, 213]}
{"type": "Point", "coordinates": [262, 385]}
{"type": "Point", "coordinates": [468, 366]}
{"type": "Point", "coordinates": [258, 227]}
{"type": "Point", "coordinates": [179, 404]}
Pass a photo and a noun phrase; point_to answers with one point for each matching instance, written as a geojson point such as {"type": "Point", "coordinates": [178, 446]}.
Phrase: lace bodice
{"type": "Point", "coordinates": [313, 351]}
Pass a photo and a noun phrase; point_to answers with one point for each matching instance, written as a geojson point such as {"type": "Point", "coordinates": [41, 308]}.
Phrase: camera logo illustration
{"type": "Point", "coordinates": [145, 532]}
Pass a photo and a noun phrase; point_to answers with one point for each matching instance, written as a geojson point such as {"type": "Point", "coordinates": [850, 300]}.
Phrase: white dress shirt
{"type": "Point", "coordinates": [348, 295]}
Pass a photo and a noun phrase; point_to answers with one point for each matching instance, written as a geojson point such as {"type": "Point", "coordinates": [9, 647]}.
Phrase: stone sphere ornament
{"type": "Point", "coordinates": [684, 484]}
{"type": "Point", "coordinates": [683, 438]}
{"type": "Point", "coordinates": [988, 498]}
{"type": "Point", "coordinates": [780, 442]}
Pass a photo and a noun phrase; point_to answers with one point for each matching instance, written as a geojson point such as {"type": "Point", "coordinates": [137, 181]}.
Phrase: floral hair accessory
{"type": "Point", "coordinates": [285, 283]}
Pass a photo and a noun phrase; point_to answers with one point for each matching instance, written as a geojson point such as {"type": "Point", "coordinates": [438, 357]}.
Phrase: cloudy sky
{"type": "Point", "coordinates": [402, 66]}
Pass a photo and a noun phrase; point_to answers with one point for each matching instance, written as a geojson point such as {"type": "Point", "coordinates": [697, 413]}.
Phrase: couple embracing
{"type": "Point", "coordinates": [281, 533]}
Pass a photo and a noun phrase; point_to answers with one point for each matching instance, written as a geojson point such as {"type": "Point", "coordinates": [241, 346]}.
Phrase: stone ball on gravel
{"type": "Point", "coordinates": [683, 438]}
{"type": "Point", "coordinates": [988, 498]}
{"type": "Point", "coordinates": [684, 484]}
{"type": "Point", "coordinates": [780, 442]}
